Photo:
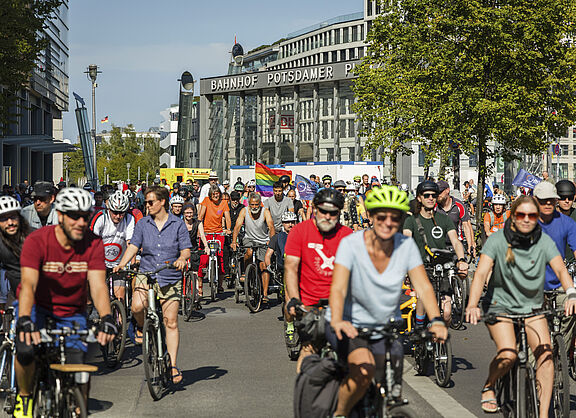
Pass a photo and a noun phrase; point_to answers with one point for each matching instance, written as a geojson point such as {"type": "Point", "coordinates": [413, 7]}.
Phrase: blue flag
{"type": "Point", "coordinates": [306, 189]}
{"type": "Point", "coordinates": [525, 179]}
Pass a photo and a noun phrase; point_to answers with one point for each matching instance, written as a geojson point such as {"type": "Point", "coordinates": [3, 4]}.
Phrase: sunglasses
{"type": "Point", "coordinates": [567, 197]}
{"type": "Point", "coordinates": [11, 216]}
{"type": "Point", "coordinates": [394, 217]}
{"type": "Point", "coordinates": [150, 202]}
{"type": "Point", "coordinates": [522, 215]}
{"type": "Point", "coordinates": [547, 201]}
{"type": "Point", "coordinates": [77, 215]}
{"type": "Point", "coordinates": [430, 195]}
{"type": "Point", "coordinates": [340, 189]}
{"type": "Point", "coordinates": [117, 212]}
{"type": "Point", "coordinates": [328, 212]}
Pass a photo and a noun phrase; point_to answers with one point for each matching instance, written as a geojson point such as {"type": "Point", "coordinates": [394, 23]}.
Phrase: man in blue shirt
{"type": "Point", "coordinates": [562, 230]}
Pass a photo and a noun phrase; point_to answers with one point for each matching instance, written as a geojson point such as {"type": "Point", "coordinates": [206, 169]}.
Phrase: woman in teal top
{"type": "Point", "coordinates": [517, 257]}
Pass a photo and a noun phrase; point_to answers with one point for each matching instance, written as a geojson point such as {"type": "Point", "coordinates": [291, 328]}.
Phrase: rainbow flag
{"type": "Point", "coordinates": [266, 177]}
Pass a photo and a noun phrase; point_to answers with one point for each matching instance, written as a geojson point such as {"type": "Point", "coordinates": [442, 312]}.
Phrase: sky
{"type": "Point", "coordinates": [142, 47]}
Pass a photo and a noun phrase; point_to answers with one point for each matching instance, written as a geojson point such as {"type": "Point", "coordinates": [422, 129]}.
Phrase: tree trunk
{"type": "Point", "coordinates": [481, 183]}
{"type": "Point", "coordinates": [456, 167]}
{"type": "Point", "coordinates": [393, 167]}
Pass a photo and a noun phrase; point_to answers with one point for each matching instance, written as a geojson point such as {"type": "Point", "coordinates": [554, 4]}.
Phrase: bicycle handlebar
{"type": "Point", "coordinates": [89, 335]}
{"type": "Point", "coordinates": [150, 273]}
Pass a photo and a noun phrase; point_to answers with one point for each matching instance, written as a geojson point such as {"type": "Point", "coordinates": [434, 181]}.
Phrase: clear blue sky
{"type": "Point", "coordinates": [143, 46]}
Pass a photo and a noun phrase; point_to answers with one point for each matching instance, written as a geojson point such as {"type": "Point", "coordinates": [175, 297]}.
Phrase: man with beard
{"type": "Point", "coordinates": [258, 228]}
{"type": "Point", "coordinates": [41, 213]}
{"type": "Point", "coordinates": [13, 231]}
{"type": "Point", "coordinates": [57, 264]}
{"type": "Point", "coordinates": [310, 250]}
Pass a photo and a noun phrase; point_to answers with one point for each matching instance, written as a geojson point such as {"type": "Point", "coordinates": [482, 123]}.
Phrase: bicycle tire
{"type": "Point", "coordinates": [73, 405]}
{"type": "Point", "coordinates": [459, 295]}
{"type": "Point", "coordinates": [421, 359]}
{"type": "Point", "coordinates": [443, 362]}
{"type": "Point", "coordinates": [5, 366]}
{"type": "Point", "coordinates": [187, 300]}
{"type": "Point", "coordinates": [572, 359]}
{"type": "Point", "coordinates": [532, 409]}
{"type": "Point", "coordinates": [400, 412]}
{"type": "Point", "coordinates": [213, 277]}
{"type": "Point", "coordinates": [561, 388]}
{"type": "Point", "coordinates": [114, 350]}
{"type": "Point", "coordinates": [253, 288]}
{"type": "Point", "coordinates": [43, 400]}
{"type": "Point", "coordinates": [152, 365]}
{"type": "Point", "coordinates": [237, 285]}
{"type": "Point", "coordinates": [503, 392]}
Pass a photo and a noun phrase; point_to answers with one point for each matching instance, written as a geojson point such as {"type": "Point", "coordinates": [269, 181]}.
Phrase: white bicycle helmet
{"type": "Point", "coordinates": [498, 199]}
{"type": "Point", "coordinates": [73, 199]}
{"type": "Point", "coordinates": [118, 202]}
{"type": "Point", "coordinates": [250, 183]}
{"type": "Point", "coordinates": [177, 199]}
{"type": "Point", "coordinates": [288, 217]}
{"type": "Point", "coordinates": [9, 204]}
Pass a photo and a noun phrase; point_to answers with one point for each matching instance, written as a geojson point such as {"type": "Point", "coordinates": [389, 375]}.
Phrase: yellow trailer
{"type": "Point", "coordinates": [173, 175]}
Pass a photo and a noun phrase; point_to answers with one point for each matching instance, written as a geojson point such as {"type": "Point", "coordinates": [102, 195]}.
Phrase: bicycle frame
{"type": "Point", "coordinates": [152, 314]}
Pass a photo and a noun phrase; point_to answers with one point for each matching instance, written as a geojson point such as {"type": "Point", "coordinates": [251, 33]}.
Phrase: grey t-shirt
{"type": "Point", "coordinates": [373, 298]}
{"type": "Point", "coordinates": [277, 209]}
{"type": "Point", "coordinates": [517, 287]}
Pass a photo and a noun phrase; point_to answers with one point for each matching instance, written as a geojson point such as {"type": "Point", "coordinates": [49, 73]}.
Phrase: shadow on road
{"type": "Point", "coordinates": [459, 363]}
{"type": "Point", "coordinates": [201, 373]}
{"type": "Point", "coordinates": [96, 405]}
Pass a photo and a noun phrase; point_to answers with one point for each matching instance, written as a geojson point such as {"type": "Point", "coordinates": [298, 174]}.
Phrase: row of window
{"type": "Point", "coordinates": [324, 58]}
{"type": "Point", "coordinates": [336, 36]}
{"type": "Point", "coordinates": [372, 7]}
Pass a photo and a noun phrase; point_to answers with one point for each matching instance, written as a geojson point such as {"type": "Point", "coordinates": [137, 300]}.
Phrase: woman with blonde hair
{"type": "Point", "coordinates": [518, 255]}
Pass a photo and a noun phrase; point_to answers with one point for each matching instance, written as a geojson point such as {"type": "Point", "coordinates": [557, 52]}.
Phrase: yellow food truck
{"type": "Point", "coordinates": [173, 175]}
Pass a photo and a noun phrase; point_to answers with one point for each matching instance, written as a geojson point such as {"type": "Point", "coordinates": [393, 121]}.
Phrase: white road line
{"type": "Point", "coordinates": [443, 403]}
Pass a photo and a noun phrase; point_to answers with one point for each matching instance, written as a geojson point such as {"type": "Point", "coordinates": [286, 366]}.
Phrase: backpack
{"type": "Point", "coordinates": [493, 218]}
{"type": "Point", "coordinates": [316, 388]}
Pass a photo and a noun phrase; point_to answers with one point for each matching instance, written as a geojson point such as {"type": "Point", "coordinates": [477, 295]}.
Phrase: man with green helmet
{"type": "Point", "coordinates": [369, 269]}
{"type": "Point", "coordinates": [430, 229]}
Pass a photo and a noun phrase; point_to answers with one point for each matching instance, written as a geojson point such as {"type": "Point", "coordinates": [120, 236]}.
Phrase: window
{"type": "Point", "coordinates": [473, 160]}
{"type": "Point", "coordinates": [369, 8]}
{"type": "Point", "coordinates": [559, 172]}
{"type": "Point", "coordinates": [351, 155]}
{"type": "Point", "coordinates": [354, 33]}
{"type": "Point", "coordinates": [329, 154]}
{"type": "Point", "coordinates": [336, 36]}
{"type": "Point", "coordinates": [573, 132]}
{"type": "Point", "coordinates": [345, 35]}
{"type": "Point", "coordinates": [574, 149]}
{"type": "Point", "coordinates": [421, 156]}
{"type": "Point", "coordinates": [563, 149]}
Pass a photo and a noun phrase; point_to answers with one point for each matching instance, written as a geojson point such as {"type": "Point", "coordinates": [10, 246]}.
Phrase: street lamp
{"type": "Point", "coordinates": [128, 168]}
{"type": "Point", "coordinates": [92, 73]}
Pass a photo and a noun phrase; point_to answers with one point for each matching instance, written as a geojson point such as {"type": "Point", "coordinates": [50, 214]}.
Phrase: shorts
{"type": "Point", "coordinates": [172, 291]}
{"type": "Point", "coordinates": [259, 248]}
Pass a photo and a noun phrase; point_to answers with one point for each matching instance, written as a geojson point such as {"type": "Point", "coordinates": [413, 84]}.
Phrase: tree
{"type": "Point", "coordinates": [76, 164]}
{"type": "Point", "coordinates": [471, 72]}
{"type": "Point", "coordinates": [21, 43]}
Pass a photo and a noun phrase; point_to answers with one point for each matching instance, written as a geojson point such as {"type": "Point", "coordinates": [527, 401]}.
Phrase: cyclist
{"type": "Point", "coordinates": [369, 269]}
{"type": "Point", "coordinates": [195, 233]}
{"type": "Point", "coordinates": [175, 189]}
{"type": "Point", "coordinates": [278, 204]}
{"type": "Point", "coordinates": [309, 262]}
{"type": "Point", "coordinates": [429, 230]}
{"type": "Point", "coordinates": [258, 228]}
{"type": "Point", "coordinates": [493, 221]}
{"type": "Point", "coordinates": [42, 212]}
{"type": "Point", "coordinates": [517, 257]}
{"type": "Point", "coordinates": [57, 264]}
{"type": "Point", "coordinates": [213, 214]}
{"type": "Point", "coordinates": [298, 206]}
{"type": "Point", "coordinates": [162, 237]}
{"type": "Point", "coordinates": [326, 182]}
{"type": "Point", "coordinates": [276, 247]}
{"type": "Point", "coordinates": [176, 203]}
{"type": "Point", "coordinates": [13, 230]}
{"type": "Point", "coordinates": [212, 181]}
{"type": "Point", "coordinates": [457, 212]}
{"type": "Point", "coordinates": [349, 214]}
{"type": "Point", "coordinates": [566, 191]}
{"type": "Point", "coordinates": [115, 226]}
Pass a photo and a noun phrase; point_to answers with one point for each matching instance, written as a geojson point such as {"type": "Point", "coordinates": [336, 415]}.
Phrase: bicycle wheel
{"type": "Point", "coordinates": [527, 380]}
{"type": "Point", "coordinates": [235, 271]}
{"type": "Point", "coordinates": [421, 359]}
{"type": "Point", "coordinates": [6, 364]}
{"type": "Point", "coordinates": [213, 277]}
{"type": "Point", "coordinates": [459, 295]}
{"type": "Point", "coordinates": [253, 288]}
{"type": "Point", "coordinates": [44, 401]}
{"type": "Point", "coordinates": [561, 391]}
{"type": "Point", "coordinates": [504, 395]}
{"type": "Point", "coordinates": [187, 299]}
{"type": "Point", "coordinates": [400, 412]}
{"type": "Point", "coordinates": [571, 350]}
{"type": "Point", "coordinates": [153, 367]}
{"type": "Point", "coordinates": [443, 362]}
{"type": "Point", "coordinates": [114, 350]}
{"type": "Point", "coordinates": [73, 404]}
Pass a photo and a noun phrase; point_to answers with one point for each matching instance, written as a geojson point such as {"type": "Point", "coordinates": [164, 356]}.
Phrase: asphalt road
{"type": "Point", "coordinates": [235, 365]}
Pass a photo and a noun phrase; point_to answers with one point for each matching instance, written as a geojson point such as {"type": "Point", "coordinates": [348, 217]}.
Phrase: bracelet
{"type": "Point", "coordinates": [462, 260]}
{"type": "Point", "coordinates": [570, 291]}
{"type": "Point", "coordinates": [437, 320]}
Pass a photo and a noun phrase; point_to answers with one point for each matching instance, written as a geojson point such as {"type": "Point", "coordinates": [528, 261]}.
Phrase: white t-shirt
{"type": "Point", "coordinates": [205, 189]}
{"type": "Point", "coordinates": [373, 298]}
{"type": "Point", "coordinates": [114, 236]}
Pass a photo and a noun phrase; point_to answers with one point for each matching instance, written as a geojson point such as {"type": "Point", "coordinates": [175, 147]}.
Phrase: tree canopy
{"type": "Point", "coordinates": [21, 42]}
{"type": "Point", "coordinates": [467, 72]}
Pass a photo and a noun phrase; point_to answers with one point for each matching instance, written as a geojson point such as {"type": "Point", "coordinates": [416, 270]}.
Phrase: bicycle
{"type": "Point", "coordinates": [236, 274]}
{"type": "Point", "coordinates": [215, 247]}
{"type": "Point", "coordinates": [561, 390]}
{"type": "Point", "coordinates": [7, 355]}
{"type": "Point", "coordinates": [57, 390]}
{"type": "Point", "coordinates": [190, 297]}
{"type": "Point", "coordinates": [156, 359]}
{"type": "Point", "coordinates": [253, 281]}
{"type": "Point", "coordinates": [113, 351]}
{"type": "Point", "coordinates": [516, 392]}
{"type": "Point", "coordinates": [572, 347]}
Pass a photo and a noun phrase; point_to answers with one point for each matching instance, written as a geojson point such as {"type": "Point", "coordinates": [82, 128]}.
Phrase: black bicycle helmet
{"type": "Point", "coordinates": [331, 196]}
{"type": "Point", "coordinates": [427, 186]}
{"type": "Point", "coordinates": [565, 188]}
{"type": "Point", "coordinates": [284, 179]}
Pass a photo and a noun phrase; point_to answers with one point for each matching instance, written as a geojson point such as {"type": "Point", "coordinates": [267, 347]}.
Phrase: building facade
{"type": "Point", "coordinates": [32, 148]}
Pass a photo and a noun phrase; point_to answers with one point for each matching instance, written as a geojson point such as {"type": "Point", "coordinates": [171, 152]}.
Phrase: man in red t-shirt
{"type": "Point", "coordinates": [57, 263]}
{"type": "Point", "coordinates": [310, 251]}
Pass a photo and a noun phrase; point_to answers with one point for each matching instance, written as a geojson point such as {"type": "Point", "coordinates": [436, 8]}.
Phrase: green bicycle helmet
{"type": "Point", "coordinates": [386, 197]}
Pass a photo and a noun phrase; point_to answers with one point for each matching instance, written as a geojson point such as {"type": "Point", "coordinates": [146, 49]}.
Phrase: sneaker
{"type": "Point", "coordinates": [23, 407]}
{"type": "Point", "coordinates": [290, 335]}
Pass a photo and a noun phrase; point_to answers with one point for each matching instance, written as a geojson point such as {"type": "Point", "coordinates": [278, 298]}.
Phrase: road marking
{"type": "Point", "coordinates": [437, 398]}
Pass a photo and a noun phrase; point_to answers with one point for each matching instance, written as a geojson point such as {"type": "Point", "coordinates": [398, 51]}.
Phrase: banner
{"type": "Point", "coordinates": [266, 177]}
{"type": "Point", "coordinates": [305, 188]}
{"type": "Point", "coordinates": [525, 179]}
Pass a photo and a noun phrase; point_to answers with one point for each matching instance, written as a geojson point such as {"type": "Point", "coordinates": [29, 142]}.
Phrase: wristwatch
{"type": "Point", "coordinates": [462, 259]}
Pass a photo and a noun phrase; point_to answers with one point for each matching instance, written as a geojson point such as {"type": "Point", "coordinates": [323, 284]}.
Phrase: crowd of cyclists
{"type": "Point", "coordinates": [355, 244]}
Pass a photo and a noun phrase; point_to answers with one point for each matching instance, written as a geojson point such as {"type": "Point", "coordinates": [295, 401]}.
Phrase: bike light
{"type": "Point", "coordinates": [448, 266]}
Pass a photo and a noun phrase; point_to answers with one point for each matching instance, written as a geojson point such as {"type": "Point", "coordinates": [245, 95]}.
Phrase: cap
{"type": "Point", "coordinates": [374, 179]}
{"type": "Point", "coordinates": [442, 185]}
{"type": "Point", "coordinates": [42, 189]}
{"type": "Point", "coordinates": [213, 175]}
{"type": "Point", "coordinates": [225, 182]}
{"type": "Point", "coordinates": [339, 183]}
{"type": "Point", "coordinates": [545, 190]}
